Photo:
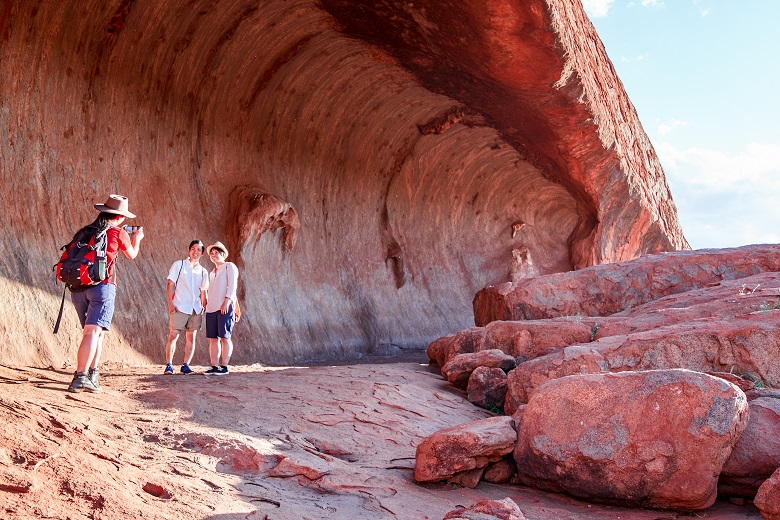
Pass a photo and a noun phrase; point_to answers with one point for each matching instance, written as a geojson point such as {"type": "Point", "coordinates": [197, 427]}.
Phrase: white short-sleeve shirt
{"type": "Point", "coordinates": [190, 281]}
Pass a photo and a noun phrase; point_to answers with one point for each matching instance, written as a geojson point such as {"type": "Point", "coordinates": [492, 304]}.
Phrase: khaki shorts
{"type": "Point", "coordinates": [181, 321]}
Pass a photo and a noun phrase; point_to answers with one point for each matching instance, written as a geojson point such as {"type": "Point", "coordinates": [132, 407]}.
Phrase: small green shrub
{"type": "Point", "coordinates": [757, 382]}
{"type": "Point", "coordinates": [498, 410]}
{"type": "Point", "coordinates": [764, 306]}
{"type": "Point", "coordinates": [593, 330]}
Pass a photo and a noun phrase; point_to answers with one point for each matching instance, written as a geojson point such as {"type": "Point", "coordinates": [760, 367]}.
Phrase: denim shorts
{"type": "Point", "coordinates": [95, 306]}
{"type": "Point", "coordinates": [220, 325]}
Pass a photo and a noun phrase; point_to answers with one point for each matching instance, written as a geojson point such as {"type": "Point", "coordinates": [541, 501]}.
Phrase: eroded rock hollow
{"type": "Point", "coordinates": [371, 165]}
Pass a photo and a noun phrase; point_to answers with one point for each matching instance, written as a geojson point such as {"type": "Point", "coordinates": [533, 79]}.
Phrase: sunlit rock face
{"type": "Point", "coordinates": [370, 165]}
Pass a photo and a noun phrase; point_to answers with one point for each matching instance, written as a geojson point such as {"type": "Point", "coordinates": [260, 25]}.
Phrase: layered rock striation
{"type": "Point", "coordinates": [369, 165]}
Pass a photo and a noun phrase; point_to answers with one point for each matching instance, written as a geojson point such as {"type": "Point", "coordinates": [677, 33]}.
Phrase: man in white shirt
{"type": "Point", "coordinates": [186, 297]}
{"type": "Point", "coordinates": [221, 309]}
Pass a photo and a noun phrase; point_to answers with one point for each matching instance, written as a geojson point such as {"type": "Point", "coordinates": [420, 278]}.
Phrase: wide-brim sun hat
{"type": "Point", "coordinates": [116, 204]}
{"type": "Point", "coordinates": [218, 245]}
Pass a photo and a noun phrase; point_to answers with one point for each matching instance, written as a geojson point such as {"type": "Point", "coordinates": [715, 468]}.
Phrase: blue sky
{"type": "Point", "coordinates": [704, 76]}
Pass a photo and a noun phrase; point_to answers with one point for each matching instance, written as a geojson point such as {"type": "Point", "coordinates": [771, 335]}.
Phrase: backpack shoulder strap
{"type": "Point", "coordinates": [181, 266]}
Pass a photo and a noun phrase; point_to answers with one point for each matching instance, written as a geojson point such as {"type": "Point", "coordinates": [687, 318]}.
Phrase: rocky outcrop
{"type": "Point", "coordinates": [505, 509]}
{"type": "Point", "coordinates": [458, 370]}
{"type": "Point", "coordinates": [464, 448]}
{"type": "Point", "coordinates": [487, 388]}
{"type": "Point", "coordinates": [589, 387]}
{"type": "Point", "coordinates": [370, 165]}
{"type": "Point", "coordinates": [746, 343]}
{"type": "Point", "coordinates": [768, 497]}
{"type": "Point", "coordinates": [728, 326]}
{"type": "Point", "coordinates": [606, 290]}
{"type": "Point", "coordinates": [520, 339]}
{"type": "Point", "coordinates": [756, 454]}
{"type": "Point", "coordinates": [650, 439]}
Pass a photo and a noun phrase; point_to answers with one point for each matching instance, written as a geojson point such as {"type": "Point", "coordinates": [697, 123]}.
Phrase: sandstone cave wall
{"type": "Point", "coordinates": [409, 171]}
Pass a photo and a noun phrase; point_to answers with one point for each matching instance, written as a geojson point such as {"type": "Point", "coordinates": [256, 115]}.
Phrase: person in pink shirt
{"type": "Point", "coordinates": [220, 308]}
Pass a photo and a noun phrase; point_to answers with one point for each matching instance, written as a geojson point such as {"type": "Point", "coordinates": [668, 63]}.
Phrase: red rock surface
{"type": "Point", "coordinates": [504, 509]}
{"type": "Point", "coordinates": [722, 328]}
{"type": "Point", "coordinates": [501, 472]}
{"type": "Point", "coordinates": [519, 339]}
{"type": "Point", "coordinates": [369, 165]}
{"type": "Point", "coordinates": [465, 447]}
{"type": "Point", "coordinates": [652, 439]}
{"type": "Point", "coordinates": [458, 369]}
{"type": "Point", "coordinates": [756, 454]}
{"type": "Point", "coordinates": [606, 290]}
{"type": "Point", "coordinates": [210, 443]}
{"type": "Point", "coordinates": [487, 388]}
{"type": "Point", "coordinates": [768, 497]}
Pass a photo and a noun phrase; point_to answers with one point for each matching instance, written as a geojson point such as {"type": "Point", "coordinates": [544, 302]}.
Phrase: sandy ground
{"type": "Point", "coordinates": [276, 443]}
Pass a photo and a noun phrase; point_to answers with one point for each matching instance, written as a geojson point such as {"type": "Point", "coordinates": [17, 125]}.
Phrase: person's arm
{"type": "Point", "coordinates": [204, 291]}
{"type": "Point", "coordinates": [232, 284]}
{"type": "Point", "coordinates": [131, 246]}
{"type": "Point", "coordinates": [170, 288]}
{"type": "Point", "coordinates": [170, 292]}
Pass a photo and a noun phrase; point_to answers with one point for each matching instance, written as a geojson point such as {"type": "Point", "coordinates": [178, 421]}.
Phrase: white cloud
{"type": "Point", "coordinates": [669, 126]}
{"type": "Point", "coordinates": [725, 200]}
{"type": "Point", "coordinates": [635, 59]}
{"type": "Point", "coordinates": [647, 3]}
{"type": "Point", "coordinates": [702, 11]}
{"type": "Point", "coordinates": [597, 8]}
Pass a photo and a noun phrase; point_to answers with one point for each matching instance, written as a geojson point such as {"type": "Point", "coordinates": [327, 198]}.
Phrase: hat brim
{"type": "Point", "coordinates": [106, 209]}
{"type": "Point", "coordinates": [215, 246]}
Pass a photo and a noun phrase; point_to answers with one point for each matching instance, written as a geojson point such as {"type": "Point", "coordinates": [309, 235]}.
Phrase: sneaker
{"type": "Point", "coordinates": [168, 370]}
{"type": "Point", "coordinates": [94, 376]}
{"type": "Point", "coordinates": [81, 381]}
{"type": "Point", "coordinates": [222, 371]}
{"type": "Point", "coordinates": [211, 371]}
{"type": "Point", "coordinates": [185, 369]}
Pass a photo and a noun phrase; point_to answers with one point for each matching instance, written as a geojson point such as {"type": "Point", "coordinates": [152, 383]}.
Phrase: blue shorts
{"type": "Point", "coordinates": [95, 306]}
{"type": "Point", "coordinates": [220, 325]}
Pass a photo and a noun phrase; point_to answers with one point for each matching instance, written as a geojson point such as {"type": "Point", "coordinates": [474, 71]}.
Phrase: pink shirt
{"type": "Point", "coordinates": [222, 283]}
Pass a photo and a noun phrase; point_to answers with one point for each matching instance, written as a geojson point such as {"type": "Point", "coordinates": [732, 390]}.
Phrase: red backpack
{"type": "Point", "coordinates": [83, 263]}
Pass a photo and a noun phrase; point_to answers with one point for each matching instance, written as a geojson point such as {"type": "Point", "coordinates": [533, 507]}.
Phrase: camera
{"type": "Point", "coordinates": [131, 229]}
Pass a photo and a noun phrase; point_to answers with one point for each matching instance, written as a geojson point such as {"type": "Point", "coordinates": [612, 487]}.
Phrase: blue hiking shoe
{"type": "Point", "coordinates": [185, 369]}
{"type": "Point", "coordinates": [168, 370]}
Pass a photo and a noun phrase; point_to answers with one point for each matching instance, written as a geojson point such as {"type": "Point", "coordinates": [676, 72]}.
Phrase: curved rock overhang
{"type": "Point", "coordinates": [370, 165]}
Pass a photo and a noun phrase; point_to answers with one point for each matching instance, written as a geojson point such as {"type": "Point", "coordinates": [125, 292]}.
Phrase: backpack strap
{"type": "Point", "coordinates": [62, 305]}
{"type": "Point", "coordinates": [108, 268]}
{"type": "Point", "coordinates": [181, 266]}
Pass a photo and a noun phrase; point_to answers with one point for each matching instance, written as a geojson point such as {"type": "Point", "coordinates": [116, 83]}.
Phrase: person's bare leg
{"type": "Point", "coordinates": [227, 350]}
{"type": "Point", "coordinates": [89, 347]}
{"type": "Point", "coordinates": [88, 357]}
{"type": "Point", "coordinates": [214, 351]}
{"type": "Point", "coordinates": [189, 346]}
{"type": "Point", "coordinates": [170, 346]}
{"type": "Point", "coordinates": [98, 349]}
